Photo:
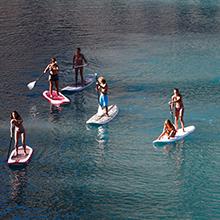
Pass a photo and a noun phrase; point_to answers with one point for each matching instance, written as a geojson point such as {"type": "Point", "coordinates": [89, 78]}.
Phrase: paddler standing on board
{"type": "Point", "coordinates": [102, 88]}
{"type": "Point", "coordinates": [177, 104]}
{"type": "Point", "coordinates": [53, 75]}
{"type": "Point", "coordinates": [17, 128]}
{"type": "Point", "coordinates": [78, 61]}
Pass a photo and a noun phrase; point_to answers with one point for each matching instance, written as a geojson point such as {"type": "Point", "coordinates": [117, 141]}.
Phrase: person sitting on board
{"type": "Point", "coordinates": [168, 130]}
{"type": "Point", "coordinates": [17, 128]}
{"type": "Point", "coordinates": [177, 103]}
{"type": "Point", "coordinates": [102, 88]}
{"type": "Point", "coordinates": [78, 61]}
{"type": "Point", "coordinates": [53, 75]}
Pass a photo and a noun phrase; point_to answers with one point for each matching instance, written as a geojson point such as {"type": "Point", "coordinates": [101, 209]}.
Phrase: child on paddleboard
{"type": "Point", "coordinates": [177, 104]}
{"type": "Point", "coordinates": [78, 62]}
{"type": "Point", "coordinates": [102, 88]}
{"type": "Point", "coordinates": [168, 130]}
{"type": "Point", "coordinates": [17, 128]}
{"type": "Point", "coordinates": [53, 75]}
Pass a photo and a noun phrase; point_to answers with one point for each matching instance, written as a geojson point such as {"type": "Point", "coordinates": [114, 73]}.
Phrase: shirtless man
{"type": "Point", "coordinates": [177, 103]}
{"type": "Point", "coordinates": [102, 88]}
{"type": "Point", "coordinates": [78, 61]}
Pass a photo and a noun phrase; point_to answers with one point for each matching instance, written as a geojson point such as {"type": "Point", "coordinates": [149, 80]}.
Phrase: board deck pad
{"type": "Point", "coordinates": [21, 159]}
{"type": "Point", "coordinates": [89, 80]}
{"type": "Point", "coordinates": [179, 136]}
{"type": "Point", "coordinates": [55, 99]}
{"type": "Point", "coordinates": [103, 119]}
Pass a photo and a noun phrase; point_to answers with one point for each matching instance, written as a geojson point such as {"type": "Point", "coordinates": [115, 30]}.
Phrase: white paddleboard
{"type": "Point", "coordinates": [89, 80]}
{"type": "Point", "coordinates": [55, 99]}
{"type": "Point", "coordinates": [179, 136]}
{"type": "Point", "coordinates": [103, 119]}
{"type": "Point", "coordinates": [21, 159]}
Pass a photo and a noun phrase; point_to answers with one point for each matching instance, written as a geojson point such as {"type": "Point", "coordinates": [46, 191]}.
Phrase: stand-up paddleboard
{"type": "Point", "coordinates": [21, 159]}
{"type": "Point", "coordinates": [103, 119]}
{"type": "Point", "coordinates": [179, 136]}
{"type": "Point", "coordinates": [55, 99]}
{"type": "Point", "coordinates": [89, 80]}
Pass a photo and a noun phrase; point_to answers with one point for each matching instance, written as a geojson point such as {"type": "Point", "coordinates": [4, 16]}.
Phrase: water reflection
{"type": "Point", "coordinates": [174, 151]}
{"type": "Point", "coordinates": [55, 108]}
{"type": "Point", "coordinates": [102, 135]}
{"type": "Point", "coordinates": [18, 184]}
{"type": "Point", "coordinates": [33, 111]}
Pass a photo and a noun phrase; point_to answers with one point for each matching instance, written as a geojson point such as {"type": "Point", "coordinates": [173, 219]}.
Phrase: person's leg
{"type": "Point", "coordinates": [106, 111]}
{"type": "Point", "coordinates": [51, 88]}
{"type": "Point", "coordinates": [176, 118]}
{"type": "Point", "coordinates": [57, 86]}
{"type": "Point", "coordinates": [76, 75]}
{"type": "Point", "coordinates": [23, 140]}
{"type": "Point", "coordinates": [106, 104]}
{"type": "Point", "coordinates": [81, 75]}
{"type": "Point", "coordinates": [16, 143]}
{"type": "Point", "coordinates": [181, 118]}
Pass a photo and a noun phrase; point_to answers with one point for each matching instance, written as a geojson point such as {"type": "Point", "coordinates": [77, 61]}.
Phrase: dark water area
{"type": "Point", "coordinates": [144, 49]}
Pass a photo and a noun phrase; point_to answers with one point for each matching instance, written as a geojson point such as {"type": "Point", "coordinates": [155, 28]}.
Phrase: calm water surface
{"type": "Point", "coordinates": [145, 49]}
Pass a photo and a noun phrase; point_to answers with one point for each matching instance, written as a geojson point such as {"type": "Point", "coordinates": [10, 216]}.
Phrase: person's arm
{"type": "Point", "coordinates": [163, 132]}
{"type": "Point", "coordinates": [74, 58]}
{"type": "Point", "coordinates": [47, 68]}
{"type": "Point", "coordinates": [84, 59]}
{"type": "Point", "coordinates": [171, 134]}
{"type": "Point", "coordinates": [12, 126]}
{"type": "Point", "coordinates": [161, 135]}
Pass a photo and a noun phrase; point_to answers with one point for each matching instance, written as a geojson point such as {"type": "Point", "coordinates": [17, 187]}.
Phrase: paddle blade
{"type": "Point", "coordinates": [31, 85]}
{"type": "Point", "coordinates": [100, 112]}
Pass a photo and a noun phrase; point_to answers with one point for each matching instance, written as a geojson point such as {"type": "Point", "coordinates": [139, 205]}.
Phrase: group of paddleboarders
{"type": "Point", "coordinates": [176, 106]}
{"type": "Point", "coordinates": [16, 124]}
{"type": "Point", "coordinates": [79, 61]}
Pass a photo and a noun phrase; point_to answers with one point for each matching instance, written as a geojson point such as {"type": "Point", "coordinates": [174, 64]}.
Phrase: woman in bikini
{"type": "Point", "coordinates": [17, 128]}
{"type": "Point", "coordinates": [177, 103]}
{"type": "Point", "coordinates": [168, 130]}
{"type": "Point", "coordinates": [53, 75]}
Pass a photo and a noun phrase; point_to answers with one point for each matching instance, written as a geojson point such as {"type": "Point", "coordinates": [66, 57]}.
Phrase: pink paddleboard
{"type": "Point", "coordinates": [21, 159]}
{"type": "Point", "coordinates": [55, 99]}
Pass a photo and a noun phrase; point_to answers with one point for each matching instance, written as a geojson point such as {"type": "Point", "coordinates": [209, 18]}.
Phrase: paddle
{"type": "Point", "coordinates": [84, 65]}
{"type": "Point", "coordinates": [9, 148]}
{"type": "Point", "coordinates": [99, 108]}
{"type": "Point", "coordinates": [32, 84]}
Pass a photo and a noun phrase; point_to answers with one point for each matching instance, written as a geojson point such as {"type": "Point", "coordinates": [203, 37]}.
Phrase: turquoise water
{"type": "Point", "coordinates": [145, 49]}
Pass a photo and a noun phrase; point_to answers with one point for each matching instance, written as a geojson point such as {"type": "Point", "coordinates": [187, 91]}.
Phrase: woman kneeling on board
{"type": "Point", "coordinates": [102, 87]}
{"type": "Point", "coordinates": [17, 128]}
{"type": "Point", "coordinates": [168, 130]}
{"type": "Point", "coordinates": [53, 75]}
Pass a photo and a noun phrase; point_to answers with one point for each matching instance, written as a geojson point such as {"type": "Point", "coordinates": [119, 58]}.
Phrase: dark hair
{"type": "Point", "coordinates": [78, 48]}
{"type": "Point", "coordinates": [53, 59]}
{"type": "Point", "coordinates": [169, 123]}
{"type": "Point", "coordinates": [103, 81]}
{"type": "Point", "coordinates": [177, 90]}
{"type": "Point", "coordinates": [17, 116]}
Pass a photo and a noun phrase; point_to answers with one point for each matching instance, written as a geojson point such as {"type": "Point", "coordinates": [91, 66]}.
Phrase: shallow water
{"type": "Point", "coordinates": [145, 49]}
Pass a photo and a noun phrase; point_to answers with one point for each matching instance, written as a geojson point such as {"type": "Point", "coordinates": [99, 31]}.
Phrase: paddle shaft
{"type": "Point", "coordinates": [84, 65]}
{"type": "Point", "coordinates": [9, 148]}
{"type": "Point", "coordinates": [97, 83]}
{"type": "Point", "coordinates": [39, 77]}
